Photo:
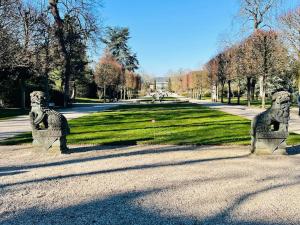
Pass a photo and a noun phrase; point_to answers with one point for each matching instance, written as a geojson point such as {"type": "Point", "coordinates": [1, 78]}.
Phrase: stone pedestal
{"type": "Point", "coordinates": [270, 146]}
{"type": "Point", "coordinates": [50, 140]}
{"type": "Point", "coordinates": [271, 143]}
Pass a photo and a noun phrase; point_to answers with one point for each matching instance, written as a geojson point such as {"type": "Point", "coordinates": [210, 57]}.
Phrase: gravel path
{"type": "Point", "coordinates": [20, 124]}
{"type": "Point", "coordinates": [250, 112]}
{"type": "Point", "coordinates": [148, 185]}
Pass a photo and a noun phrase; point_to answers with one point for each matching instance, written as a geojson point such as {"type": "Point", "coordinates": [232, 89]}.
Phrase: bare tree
{"type": "Point", "coordinates": [257, 11]}
{"type": "Point", "coordinates": [107, 74]}
{"type": "Point", "coordinates": [270, 58]}
{"type": "Point", "coordinates": [290, 29]}
{"type": "Point", "coordinates": [212, 70]}
{"type": "Point", "coordinates": [82, 11]}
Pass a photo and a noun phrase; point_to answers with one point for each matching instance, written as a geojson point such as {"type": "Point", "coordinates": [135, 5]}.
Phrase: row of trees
{"type": "Point", "coordinates": [115, 72]}
{"type": "Point", "coordinates": [260, 60]}
{"type": "Point", "coordinates": [44, 46]}
{"type": "Point", "coordinates": [264, 62]}
{"type": "Point", "coordinates": [193, 83]}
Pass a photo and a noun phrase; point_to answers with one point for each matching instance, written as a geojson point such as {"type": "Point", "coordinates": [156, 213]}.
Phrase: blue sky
{"type": "Point", "coordinates": [173, 34]}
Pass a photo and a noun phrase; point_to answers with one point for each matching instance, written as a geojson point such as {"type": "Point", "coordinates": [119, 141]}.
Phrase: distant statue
{"type": "Point", "coordinates": [269, 129]}
{"type": "Point", "coordinates": [159, 96]}
{"type": "Point", "coordinates": [49, 127]}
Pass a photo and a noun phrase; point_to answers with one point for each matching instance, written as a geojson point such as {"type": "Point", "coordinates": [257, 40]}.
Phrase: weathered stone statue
{"type": "Point", "coordinates": [49, 128]}
{"type": "Point", "coordinates": [159, 96]}
{"type": "Point", "coordinates": [269, 129]}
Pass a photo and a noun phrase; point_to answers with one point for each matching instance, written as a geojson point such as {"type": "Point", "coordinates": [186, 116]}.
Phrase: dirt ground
{"type": "Point", "coordinates": [148, 185]}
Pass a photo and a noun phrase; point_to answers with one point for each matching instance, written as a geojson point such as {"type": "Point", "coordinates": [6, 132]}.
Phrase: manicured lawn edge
{"type": "Point", "coordinates": [158, 124]}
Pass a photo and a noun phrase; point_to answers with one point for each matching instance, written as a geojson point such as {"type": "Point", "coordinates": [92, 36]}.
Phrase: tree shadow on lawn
{"type": "Point", "coordinates": [173, 138]}
{"type": "Point", "coordinates": [169, 106]}
{"type": "Point", "coordinates": [160, 125]}
{"type": "Point", "coordinates": [168, 138]}
{"type": "Point", "coordinates": [125, 119]}
{"type": "Point", "coordinates": [127, 208]}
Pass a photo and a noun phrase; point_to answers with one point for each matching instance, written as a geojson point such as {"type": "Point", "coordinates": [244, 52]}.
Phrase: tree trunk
{"type": "Point", "coordinates": [104, 93]}
{"type": "Point", "coordinates": [213, 93]}
{"type": "Point", "coordinates": [261, 84]}
{"type": "Point", "coordinates": [59, 33]}
{"type": "Point", "coordinates": [263, 93]}
{"type": "Point", "coordinates": [23, 94]}
{"type": "Point", "coordinates": [253, 83]}
{"type": "Point", "coordinates": [100, 94]}
{"type": "Point", "coordinates": [299, 91]}
{"type": "Point", "coordinates": [47, 91]}
{"type": "Point", "coordinates": [46, 71]}
{"type": "Point", "coordinates": [222, 93]}
{"type": "Point", "coordinates": [67, 71]}
{"type": "Point", "coordinates": [299, 81]}
{"type": "Point", "coordinates": [124, 94]}
{"type": "Point", "coordinates": [229, 91]}
{"type": "Point", "coordinates": [73, 95]}
{"type": "Point", "coordinates": [47, 63]}
{"type": "Point", "coordinates": [249, 91]}
{"type": "Point", "coordinates": [239, 92]}
{"type": "Point", "coordinates": [217, 92]}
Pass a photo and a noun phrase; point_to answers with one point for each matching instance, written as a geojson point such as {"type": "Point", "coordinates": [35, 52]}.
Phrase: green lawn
{"type": "Point", "coordinates": [255, 103]}
{"type": "Point", "coordinates": [9, 113]}
{"type": "Point", "coordinates": [174, 124]}
{"type": "Point", "coordinates": [88, 100]}
{"type": "Point", "coordinates": [158, 124]}
{"type": "Point", "coordinates": [164, 99]}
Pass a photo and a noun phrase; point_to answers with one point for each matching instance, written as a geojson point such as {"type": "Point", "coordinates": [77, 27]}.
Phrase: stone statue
{"type": "Point", "coordinates": [269, 129]}
{"type": "Point", "coordinates": [49, 128]}
{"type": "Point", "coordinates": [159, 96]}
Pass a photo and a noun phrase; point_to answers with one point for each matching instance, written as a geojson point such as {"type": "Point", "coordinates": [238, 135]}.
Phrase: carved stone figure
{"type": "Point", "coordinates": [49, 128]}
{"type": "Point", "coordinates": [159, 96]}
{"type": "Point", "coordinates": [269, 129]}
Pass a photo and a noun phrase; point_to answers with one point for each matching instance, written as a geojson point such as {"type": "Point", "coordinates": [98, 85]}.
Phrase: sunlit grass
{"type": "Point", "coordinates": [177, 124]}
{"type": "Point", "coordinates": [89, 100]}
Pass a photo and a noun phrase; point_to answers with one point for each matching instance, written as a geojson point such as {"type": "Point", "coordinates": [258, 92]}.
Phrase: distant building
{"type": "Point", "coordinates": [162, 83]}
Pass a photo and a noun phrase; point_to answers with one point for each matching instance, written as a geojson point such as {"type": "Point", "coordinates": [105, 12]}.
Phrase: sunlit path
{"type": "Point", "coordinates": [20, 124]}
{"type": "Point", "coordinates": [250, 112]}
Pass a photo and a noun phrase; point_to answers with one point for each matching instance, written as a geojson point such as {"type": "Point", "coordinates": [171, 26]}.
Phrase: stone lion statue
{"type": "Point", "coordinates": [269, 129]}
{"type": "Point", "coordinates": [49, 127]}
{"type": "Point", "coordinates": [159, 96]}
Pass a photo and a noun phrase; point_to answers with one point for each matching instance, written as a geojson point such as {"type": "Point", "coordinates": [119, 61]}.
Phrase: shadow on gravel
{"type": "Point", "coordinates": [125, 143]}
{"type": "Point", "coordinates": [11, 173]}
{"type": "Point", "coordinates": [108, 171]}
{"type": "Point", "coordinates": [157, 150]}
{"type": "Point", "coordinates": [127, 208]}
